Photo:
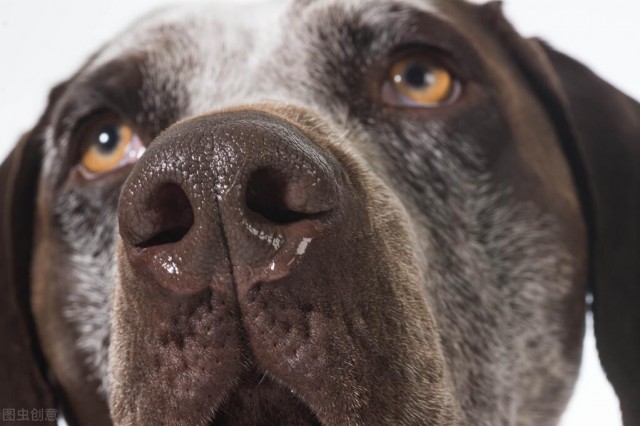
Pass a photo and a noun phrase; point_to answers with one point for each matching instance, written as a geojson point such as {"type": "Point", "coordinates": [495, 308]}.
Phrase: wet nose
{"type": "Point", "coordinates": [245, 191]}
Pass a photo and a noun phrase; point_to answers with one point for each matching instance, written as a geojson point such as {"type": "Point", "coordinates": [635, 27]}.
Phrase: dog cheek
{"type": "Point", "coordinates": [72, 361]}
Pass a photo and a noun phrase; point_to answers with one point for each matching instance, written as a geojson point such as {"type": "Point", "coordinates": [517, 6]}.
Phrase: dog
{"type": "Point", "coordinates": [321, 212]}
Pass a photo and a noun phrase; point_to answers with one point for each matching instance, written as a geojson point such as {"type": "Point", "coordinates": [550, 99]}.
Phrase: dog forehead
{"type": "Point", "coordinates": [263, 20]}
{"type": "Point", "coordinates": [214, 25]}
{"type": "Point", "coordinates": [211, 30]}
{"type": "Point", "coordinates": [217, 55]}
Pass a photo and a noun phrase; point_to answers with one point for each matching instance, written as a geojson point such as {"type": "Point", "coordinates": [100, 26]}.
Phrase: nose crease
{"type": "Point", "coordinates": [225, 243]}
{"type": "Point", "coordinates": [237, 192]}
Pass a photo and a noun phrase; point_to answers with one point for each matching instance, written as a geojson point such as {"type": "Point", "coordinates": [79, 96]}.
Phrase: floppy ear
{"type": "Point", "coordinates": [22, 381]}
{"type": "Point", "coordinates": [607, 124]}
{"type": "Point", "coordinates": [599, 128]}
{"type": "Point", "coordinates": [23, 375]}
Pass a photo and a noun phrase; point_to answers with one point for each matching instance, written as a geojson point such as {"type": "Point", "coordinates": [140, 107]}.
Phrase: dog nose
{"type": "Point", "coordinates": [242, 191]}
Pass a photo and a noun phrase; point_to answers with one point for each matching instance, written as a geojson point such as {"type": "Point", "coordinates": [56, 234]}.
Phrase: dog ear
{"type": "Point", "coordinates": [23, 371]}
{"type": "Point", "coordinates": [599, 128]}
{"type": "Point", "coordinates": [22, 380]}
{"type": "Point", "coordinates": [607, 124]}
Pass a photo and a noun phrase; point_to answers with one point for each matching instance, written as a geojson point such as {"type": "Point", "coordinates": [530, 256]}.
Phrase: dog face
{"type": "Point", "coordinates": [330, 212]}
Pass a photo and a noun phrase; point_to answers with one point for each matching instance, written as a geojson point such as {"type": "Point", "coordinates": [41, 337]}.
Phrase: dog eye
{"type": "Point", "coordinates": [110, 144]}
{"type": "Point", "coordinates": [419, 80]}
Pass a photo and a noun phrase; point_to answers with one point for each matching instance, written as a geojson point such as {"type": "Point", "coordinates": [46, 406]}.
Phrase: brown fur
{"type": "Point", "coordinates": [446, 286]}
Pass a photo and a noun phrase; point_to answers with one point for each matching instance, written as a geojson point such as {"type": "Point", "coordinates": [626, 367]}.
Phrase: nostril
{"type": "Point", "coordinates": [269, 194]}
{"type": "Point", "coordinates": [172, 211]}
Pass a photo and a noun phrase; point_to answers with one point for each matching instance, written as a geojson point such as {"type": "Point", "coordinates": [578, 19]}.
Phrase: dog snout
{"type": "Point", "coordinates": [254, 249]}
{"type": "Point", "coordinates": [245, 191]}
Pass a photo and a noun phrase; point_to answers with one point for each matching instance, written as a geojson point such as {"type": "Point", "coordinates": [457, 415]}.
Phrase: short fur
{"type": "Point", "coordinates": [452, 292]}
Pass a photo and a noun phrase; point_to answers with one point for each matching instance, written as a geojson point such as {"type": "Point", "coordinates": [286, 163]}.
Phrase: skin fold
{"type": "Point", "coordinates": [407, 265]}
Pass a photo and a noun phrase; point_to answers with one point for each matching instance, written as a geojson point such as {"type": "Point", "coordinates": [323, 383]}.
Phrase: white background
{"type": "Point", "coordinates": [43, 42]}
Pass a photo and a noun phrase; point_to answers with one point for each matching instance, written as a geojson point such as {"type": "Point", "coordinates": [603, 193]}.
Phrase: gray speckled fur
{"type": "Point", "coordinates": [504, 249]}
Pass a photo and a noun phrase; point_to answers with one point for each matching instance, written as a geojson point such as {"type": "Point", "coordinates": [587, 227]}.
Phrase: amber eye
{"type": "Point", "coordinates": [109, 144]}
{"type": "Point", "coordinates": [418, 80]}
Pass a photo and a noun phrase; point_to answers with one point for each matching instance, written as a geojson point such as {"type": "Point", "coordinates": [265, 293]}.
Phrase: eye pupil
{"type": "Point", "coordinates": [418, 76]}
{"type": "Point", "coordinates": [108, 138]}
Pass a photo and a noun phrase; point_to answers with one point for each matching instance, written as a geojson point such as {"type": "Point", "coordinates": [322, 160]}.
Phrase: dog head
{"type": "Point", "coordinates": [329, 212]}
